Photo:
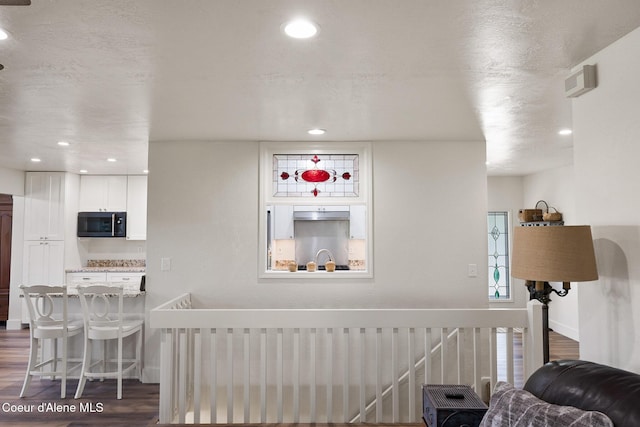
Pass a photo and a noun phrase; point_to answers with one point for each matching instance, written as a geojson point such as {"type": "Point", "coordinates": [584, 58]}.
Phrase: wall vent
{"type": "Point", "coordinates": [580, 82]}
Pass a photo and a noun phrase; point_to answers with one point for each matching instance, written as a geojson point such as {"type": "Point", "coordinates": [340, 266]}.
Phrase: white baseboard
{"type": "Point", "coordinates": [565, 330]}
{"type": "Point", "coordinates": [14, 324]}
{"type": "Point", "coordinates": [151, 375]}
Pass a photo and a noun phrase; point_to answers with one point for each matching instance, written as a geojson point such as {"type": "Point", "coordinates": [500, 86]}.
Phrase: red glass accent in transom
{"type": "Point", "coordinates": [315, 175]}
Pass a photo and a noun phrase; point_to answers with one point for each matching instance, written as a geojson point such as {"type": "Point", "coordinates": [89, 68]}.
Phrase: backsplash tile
{"type": "Point", "coordinates": [116, 263]}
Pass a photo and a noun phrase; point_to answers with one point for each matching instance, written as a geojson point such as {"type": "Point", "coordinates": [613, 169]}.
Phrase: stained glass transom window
{"type": "Point", "coordinates": [316, 175]}
{"type": "Point", "coordinates": [498, 240]}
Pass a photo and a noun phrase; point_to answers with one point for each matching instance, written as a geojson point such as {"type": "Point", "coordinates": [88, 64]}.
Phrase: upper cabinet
{"type": "Point", "coordinates": [103, 193]}
{"type": "Point", "coordinates": [137, 207]}
{"type": "Point", "coordinates": [44, 206]}
{"type": "Point", "coordinates": [358, 222]}
{"type": "Point", "coordinates": [283, 222]}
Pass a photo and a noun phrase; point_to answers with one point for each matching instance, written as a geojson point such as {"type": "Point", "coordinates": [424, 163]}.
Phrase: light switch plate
{"type": "Point", "coordinates": [165, 264]}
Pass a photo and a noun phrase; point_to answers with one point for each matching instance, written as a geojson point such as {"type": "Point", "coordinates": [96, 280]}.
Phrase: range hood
{"type": "Point", "coordinates": [321, 215]}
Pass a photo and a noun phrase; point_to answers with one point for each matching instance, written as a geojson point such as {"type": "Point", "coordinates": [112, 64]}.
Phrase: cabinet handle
{"type": "Point", "coordinates": [86, 278]}
{"type": "Point", "coordinates": [126, 278]}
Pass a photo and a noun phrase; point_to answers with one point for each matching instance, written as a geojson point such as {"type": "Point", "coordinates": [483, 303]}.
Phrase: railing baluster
{"type": "Point", "coordinates": [197, 375]}
{"type": "Point", "coordinates": [182, 377]}
{"type": "Point", "coordinates": [346, 379]}
{"type": "Point", "coordinates": [329, 374]}
{"type": "Point", "coordinates": [312, 373]}
{"type": "Point", "coordinates": [213, 389]}
{"type": "Point", "coordinates": [443, 354]}
{"type": "Point", "coordinates": [279, 398]}
{"type": "Point", "coordinates": [477, 373]}
{"type": "Point", "coordinates": [166, 372]}
{"type": "Point", "coordinates": [427, 355]}
{"type": "Point", "coordinates": [525, 352]}
{"type": "Point", "coordinates": [378, 370]}
{"type": "Point", "coordinates": [263, 376]}
{"type": "Point", "coordinates": [411, 350]}
{"type": "Point", "coordinates": [230, 376]}
{"type": "Point", "coordinates": [363, 371]}
{"type": "Point", "coordinates": [493, 357]}
{"type": "Point", "coordinates": [175, 349]}
{"type": "Point", "coordinates": [459, 352]}
{"type": "Point", "coordinates": [395, 385]}
{"type": "Point", "coordinates": [246, 375]}
{"type": "Point", "coordinates": [296, 375]}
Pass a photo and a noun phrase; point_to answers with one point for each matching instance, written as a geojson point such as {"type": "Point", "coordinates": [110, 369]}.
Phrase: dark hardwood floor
{"type": "Point", "coordinates": [561, 347]}
{"type": "Point", "coordinates": [139, 406]}
{"type": "Point", "coordinates": [97, 407]}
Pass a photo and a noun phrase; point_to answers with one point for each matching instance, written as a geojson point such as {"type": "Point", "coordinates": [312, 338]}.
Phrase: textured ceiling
{"type": "Point", "coordinates": [109, 76]}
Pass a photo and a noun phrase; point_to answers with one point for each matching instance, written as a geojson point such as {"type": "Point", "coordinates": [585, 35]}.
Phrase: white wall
{"type": "Point", "coordinates": [607, 180]}
{"type": "Point", "coordinates": [429, 213]}
{"type": "Point", "coordinates": [557, 188]}
{"type": "Point", "coordinates": [11, 181]}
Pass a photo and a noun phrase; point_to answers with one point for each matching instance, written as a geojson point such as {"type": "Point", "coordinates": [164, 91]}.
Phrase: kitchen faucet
{"type": "Point", "coordinates": [329, 254]}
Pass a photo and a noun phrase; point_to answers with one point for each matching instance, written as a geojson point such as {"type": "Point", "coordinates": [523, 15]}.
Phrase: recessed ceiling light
{"type": "Point", "coordinates": [35, 160]}
{"type": "Point", "coordinates": [565, 132]}
{"type": "Point", "coordinates": [300, 29]}
{"type": "Point", "coordinates": [145, 171]}
{"type": "Point", "coordinates": [83, 171]}
{"type": "Point", "coordinates": [316, 131]}
{"type": "Point", "coordinates": [111, 159]}
{"type": "Point", "coordinates": [3, 34]}
{"type": "Point", "coordinates": [63, 143]}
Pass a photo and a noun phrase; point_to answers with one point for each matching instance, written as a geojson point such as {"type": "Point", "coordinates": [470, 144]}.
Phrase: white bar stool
{"type": "Point", "coordinates": [103, 324]}
{"type": "Point", "coordinates": [46, 321]}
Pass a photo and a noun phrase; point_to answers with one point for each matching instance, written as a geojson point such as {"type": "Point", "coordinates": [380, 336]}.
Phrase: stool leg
{"type": "Point", "coordinates": [54, 351]}
{"type": "Point", "coordinates": [139, 354]}
{"type": "Point", "coordinates": [86, 363]}
{"type": "Point", "coordinates": [63, 360]}
{"type": "Point", "coordinates": [33, 355]}
{"type": "Point", "coordinates": [120, 365]}
{"type": "Point", "coordinates": [104, 357]}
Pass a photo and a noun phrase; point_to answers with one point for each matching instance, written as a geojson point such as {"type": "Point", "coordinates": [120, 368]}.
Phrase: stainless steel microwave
{"type": "Point", "coordinates": [102, 224]}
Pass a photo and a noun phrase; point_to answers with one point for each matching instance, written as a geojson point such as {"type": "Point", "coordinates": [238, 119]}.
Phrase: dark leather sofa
{"type": "Point", "coordinates": [589, 386]}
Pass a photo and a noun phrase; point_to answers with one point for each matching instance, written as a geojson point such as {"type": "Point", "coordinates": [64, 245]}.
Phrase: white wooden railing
{"type": "Point", "coordinates": [249, 366]}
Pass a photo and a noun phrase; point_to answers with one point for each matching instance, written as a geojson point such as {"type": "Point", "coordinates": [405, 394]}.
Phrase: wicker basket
{"type": "Point", "coordinates": [552, 216]}
{"type": "Point", "coordinates": [528, 215]}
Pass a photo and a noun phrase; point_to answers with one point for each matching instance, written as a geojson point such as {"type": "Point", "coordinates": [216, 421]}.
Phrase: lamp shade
{"type": "Point", "coordinates": [554, 254]}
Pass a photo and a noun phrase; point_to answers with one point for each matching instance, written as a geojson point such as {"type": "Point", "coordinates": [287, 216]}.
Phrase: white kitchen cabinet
{"type": "Point", "coordinates": [137, 207]}
{"type": "Point", "coordinates": [103, 193]}
{"type": "Point", "coordinates": [128, 280]}
{"type": "Point", "coordinates": [84, 277]}
{"type": "Point", "coordinates": [43, 263]}
{"type": "Point", "coordinates": [283, 222]}
{"type": "Point", "coordinates": [44, 206]}
{"type": "Point", "coordinates": [358, 222]}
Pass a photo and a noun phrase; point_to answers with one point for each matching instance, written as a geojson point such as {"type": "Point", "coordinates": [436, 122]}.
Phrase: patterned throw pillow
{"type": "Point", "coordinates": [512, 407]}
